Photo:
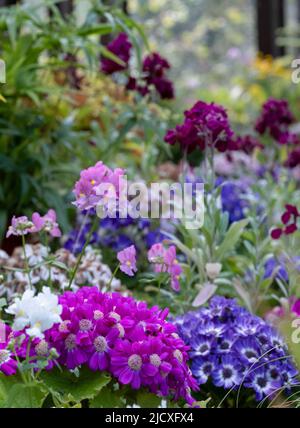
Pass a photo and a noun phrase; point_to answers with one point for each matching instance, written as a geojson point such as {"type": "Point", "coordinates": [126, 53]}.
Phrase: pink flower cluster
{"type": "Point", "coordinates": [23, 226]}
{"type": "Point", "coordinates": [289, 220]}
{"type": "Point", "coordinates": [118, 334]}
{"type": "Point", "coordinates": [97, 185]}
{"type": "Point", "coordinates": [164, 260]}
{"type": "Point", "coordinates": [204, 125]}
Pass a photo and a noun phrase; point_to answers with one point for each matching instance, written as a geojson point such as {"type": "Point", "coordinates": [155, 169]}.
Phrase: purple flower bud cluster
{"type": "Point", "coordinates": [234, 348]}
{"type": "Point", "coordinates": [121, 48]}
{"type": "Point", "coordinates": [293, 159]}
{"type": "Point", "coordinates": [276, 118]}
{"type": "Point", "coordinates": [204, 125]}
{"type": "Point", "coordinates": [107, 331]}
{"type": "Point", "coordinates": [153, 69]}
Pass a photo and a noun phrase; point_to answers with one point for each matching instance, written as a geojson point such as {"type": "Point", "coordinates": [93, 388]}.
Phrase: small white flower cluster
{"type": "Point", "coordinates": [37, 313]}
{"type": "Point", "coordinates": [92, 271]}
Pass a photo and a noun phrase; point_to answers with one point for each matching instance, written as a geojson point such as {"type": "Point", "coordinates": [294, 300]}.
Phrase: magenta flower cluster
{"type": "Point", "coordinates": [204, 125]}
{"type": "Point", "coordinates": [275, 119]}
{"type": "Point", "coordinates": [23, 226]}
{"type": "Point", "coordinates": [153, 69]}
{"type": "Point", "coordinates": [107, 331]}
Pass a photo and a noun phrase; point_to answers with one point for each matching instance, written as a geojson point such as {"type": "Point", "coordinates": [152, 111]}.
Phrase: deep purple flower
{"type": "Point", "coordinates": [276, 118]}
{"type": "Point", "coordinates": [121, 48]}
{"type": "Point", "coordinates": [204, 125]}
{"type": "Point", "coordinates": [293, 159]}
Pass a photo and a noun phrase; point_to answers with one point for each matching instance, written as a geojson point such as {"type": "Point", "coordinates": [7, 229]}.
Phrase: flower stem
{"type": "Point", "coordinates": [26, 261]}
{"type": "Point", "coordinates": [88, 239]}
{"type": "Point", "coordinates": [113, 276]}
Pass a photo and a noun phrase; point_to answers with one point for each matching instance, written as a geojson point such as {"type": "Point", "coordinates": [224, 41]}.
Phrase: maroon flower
{"type": "Point", "coordinates": [204, 124]}
{"type": "Point", "coordinates": [276, 118]}
{"type": "Point", "coordinates": [247, 144]}
{"type": "Point", "coordinates": [120, 47]}
{"type": "Point", "coordinates": [293, 159]}
{"type": "Point", "coordinates": [289, 220]}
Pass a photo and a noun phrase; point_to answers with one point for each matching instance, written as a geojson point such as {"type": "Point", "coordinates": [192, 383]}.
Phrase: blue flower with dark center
{"type": "Point", "coordinates": [201, 346]}
{"type": "Point", "coordinates": [248, 349]}
{"type": "Point", "coordinates": [260, 382]}
{"type": "Point", "coordinates": [203, 368]}
{"type": "Point", "coordinates": [227, 374]}
{"type": "Point", "coordinates": [234, 348]}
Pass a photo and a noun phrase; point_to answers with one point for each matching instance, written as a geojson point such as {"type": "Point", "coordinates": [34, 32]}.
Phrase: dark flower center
{"type": "Point", "coordinates": [261, 381]}
{"type": "Point", "coordinates": [227, 373]}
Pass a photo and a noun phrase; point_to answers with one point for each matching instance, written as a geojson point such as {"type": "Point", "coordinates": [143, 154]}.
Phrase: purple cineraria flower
{"type": "Point", "coordinates": [240, 345]}
{"type": "Point", "coordinates": [127, 259]}
{"type": "Point", "coordinates": [203, 368]}
{"type": "Point", "coordinates": [20, 226]}
{"type": "Point", "coordinates": [46, 223]}
{"type": "Point", "coordinates": [261, 383]}
{"type": "Point", "coordinates": [228, 373]}
{"type": "Point", "coordinates": [164, 260]}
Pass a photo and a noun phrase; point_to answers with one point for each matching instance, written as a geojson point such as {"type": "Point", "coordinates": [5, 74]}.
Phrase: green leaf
{"type": "Point", "coordinates": [147, 400]}
{"type": "Point", "coordinates": [231, 238]}
{"type": "Point", "coordinates": [26, 396]}
{"type": "Point", "coordinates": [108, 399]}
{"type": "Point", "coordinates": [77, 388]}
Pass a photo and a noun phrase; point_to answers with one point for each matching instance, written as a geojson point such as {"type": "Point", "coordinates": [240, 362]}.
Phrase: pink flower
{"type": "Point", "coordinates": [47, 223]}
{"type": "Point", "coordinates": [165, 261]}
{"type": "Point", "coordinates": [127, 258]}
{"type": "Point", "coordinates": [20, 226]}
{"type": "Point", "coordinates": [97, 186]}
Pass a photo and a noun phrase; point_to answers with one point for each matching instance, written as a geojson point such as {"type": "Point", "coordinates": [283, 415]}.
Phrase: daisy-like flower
{"type": "Point", "coordinates": [227, 375]}
{"type": "Point", "coordinates": [128, 365]}
{"type": "Point", "coordinates": [8, 365]}
{"type": "Point", "coordinates": [47, 223]}
{"type": "Point", "coordinates": [240, 344]}
{"type": "Point", "coordinates": [261, 383]}
{"type": "Point", "coordinates": [102, 344]}
{"type": "Point", "coordinates": [203, 368]}
{"type": "Point", "coordinates": [127, 259]}
{"type": "Point", "coordinates": [20, 226]}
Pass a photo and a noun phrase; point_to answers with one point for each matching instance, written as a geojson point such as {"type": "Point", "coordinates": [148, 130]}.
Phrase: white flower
{"type": "Point", "coordinates": [37, 313]}
{"type": "Point", "coordinates": [213, 270]}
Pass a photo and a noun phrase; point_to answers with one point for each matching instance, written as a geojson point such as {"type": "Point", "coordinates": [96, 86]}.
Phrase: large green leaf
{"type": "Point", "coordinates": [108, 399]}
{"type": "Point", "coordinates": [76, 388]}
{"type": "Point", "coordinates": [26, 396]}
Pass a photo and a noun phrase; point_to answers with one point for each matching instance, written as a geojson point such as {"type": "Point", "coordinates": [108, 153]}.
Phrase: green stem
{"type": "Point", "coordinates": [92, 230]}
{"type": "Point", "coordinates": [26, 261]}
{"type": "Point", "coordinates": [113, 276]}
